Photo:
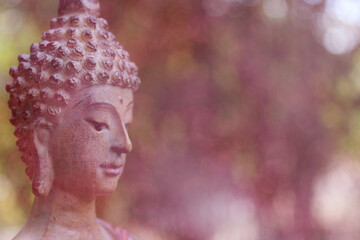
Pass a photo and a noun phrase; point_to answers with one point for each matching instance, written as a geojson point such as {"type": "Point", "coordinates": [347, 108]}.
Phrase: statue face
{"type": "Point", "coordinates": [89, 145]}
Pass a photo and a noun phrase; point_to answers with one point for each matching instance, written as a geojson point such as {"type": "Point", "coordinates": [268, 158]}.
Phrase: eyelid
{"type": "Point", "coordinates": [98, 125]}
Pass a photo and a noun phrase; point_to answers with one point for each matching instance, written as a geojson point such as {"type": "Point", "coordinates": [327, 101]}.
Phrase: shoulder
{"type": "Point", "coordinates": [117, 233]}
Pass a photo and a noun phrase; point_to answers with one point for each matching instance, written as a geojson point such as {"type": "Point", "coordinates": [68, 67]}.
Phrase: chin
{"type": "Point", "coordinates": [106, 189]}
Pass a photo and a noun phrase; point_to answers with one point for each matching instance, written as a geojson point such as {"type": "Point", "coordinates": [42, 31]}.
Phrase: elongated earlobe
{"type": "Point", "coordinates": [44, 173]}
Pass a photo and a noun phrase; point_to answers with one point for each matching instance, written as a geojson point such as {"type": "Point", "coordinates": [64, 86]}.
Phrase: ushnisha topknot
{"type": "Point", "coordinates": [77, 52]}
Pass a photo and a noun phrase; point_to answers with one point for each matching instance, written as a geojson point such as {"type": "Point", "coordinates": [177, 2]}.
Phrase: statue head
{"type": "Point", "coordinates": [71, 99]}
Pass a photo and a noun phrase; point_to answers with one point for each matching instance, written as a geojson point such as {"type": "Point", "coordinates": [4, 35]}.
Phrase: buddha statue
{"type": "Point", "coordinates": [71, 100]}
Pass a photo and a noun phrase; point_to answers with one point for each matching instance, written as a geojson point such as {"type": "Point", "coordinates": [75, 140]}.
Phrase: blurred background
{"type": "Point", "coordinates": [247, 122]}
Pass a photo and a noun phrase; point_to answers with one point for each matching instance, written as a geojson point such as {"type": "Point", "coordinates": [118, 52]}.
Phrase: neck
{"type": "Point", "coordinates": [63, 214]}
{"type": "Point", "coordinates": [64, 207]}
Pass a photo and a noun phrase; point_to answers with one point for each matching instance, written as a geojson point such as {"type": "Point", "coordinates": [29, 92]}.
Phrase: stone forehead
{"type": "Point", "coordinates": [105, 93]}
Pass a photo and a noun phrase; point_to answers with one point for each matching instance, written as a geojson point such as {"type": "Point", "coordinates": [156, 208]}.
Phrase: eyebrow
{"type": "Point", "coordinates": [130, 103]}
{"type": "Point", "coordinates": [95, 104]}
{"type": "Point", "coordinates": [86, 102]}
{"type": "Point", "coordinates": [113, 109]}
{"type": "Point", "coordinates": [108, 105]}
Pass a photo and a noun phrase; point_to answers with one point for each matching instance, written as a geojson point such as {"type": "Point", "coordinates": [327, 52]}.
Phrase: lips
{"type": "Point", "coordinates": [112, 169]}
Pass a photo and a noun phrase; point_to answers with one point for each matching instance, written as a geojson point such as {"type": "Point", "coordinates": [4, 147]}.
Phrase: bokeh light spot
{"type": "Point", "coordinates": [276, 9]}
{"type": "Point", "coordinates": [347, 11]}
{"type": "Point", "coordinates": [339, 40]}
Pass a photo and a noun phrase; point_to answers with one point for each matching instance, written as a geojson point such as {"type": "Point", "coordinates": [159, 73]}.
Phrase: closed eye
{"type": "Point", "coordinates": [98, 126]}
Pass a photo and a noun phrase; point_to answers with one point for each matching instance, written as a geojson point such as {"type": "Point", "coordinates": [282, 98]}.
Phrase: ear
{"type": "Point", "coordinates": [44, 173]}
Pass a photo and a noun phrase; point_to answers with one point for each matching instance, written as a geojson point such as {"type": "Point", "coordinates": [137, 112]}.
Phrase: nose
{"type": "Point", "coordinates": [123, 143]}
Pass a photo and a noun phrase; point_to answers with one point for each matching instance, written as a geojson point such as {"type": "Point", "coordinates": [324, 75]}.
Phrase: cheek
{"type": "Point", "coordinates": [80, 149]}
